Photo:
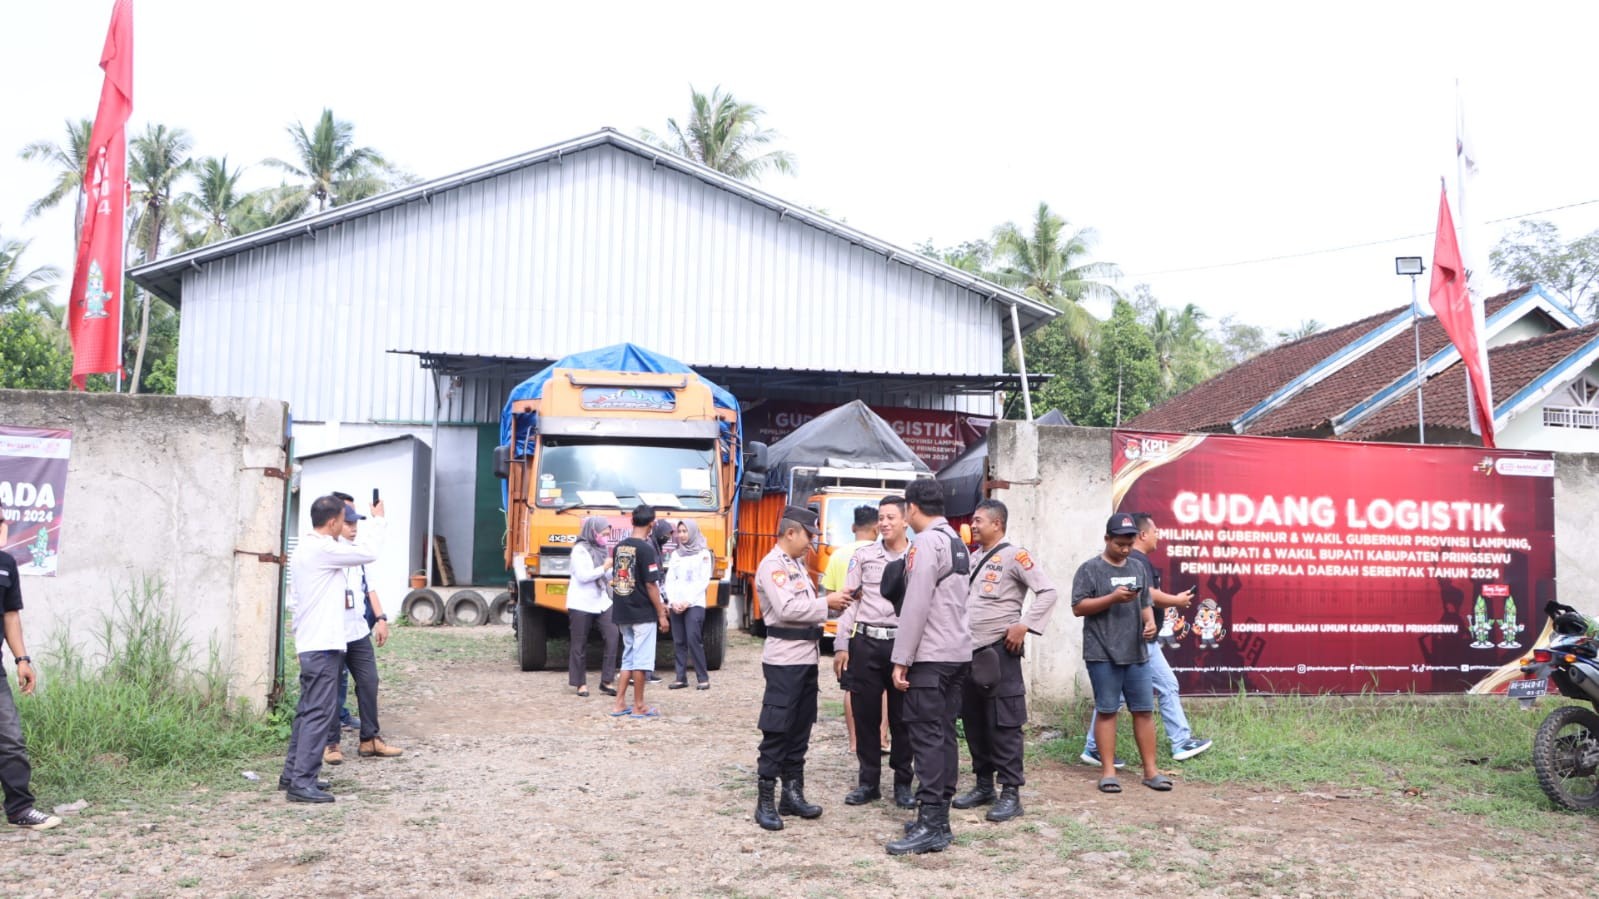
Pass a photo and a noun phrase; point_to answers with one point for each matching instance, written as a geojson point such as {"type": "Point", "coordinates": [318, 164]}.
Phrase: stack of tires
{"type": "Point", "coordinates": [464, 607]}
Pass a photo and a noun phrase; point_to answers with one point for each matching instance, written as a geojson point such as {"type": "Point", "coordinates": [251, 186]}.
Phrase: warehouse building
{"type": "Point", "coordinates": [415, 312]}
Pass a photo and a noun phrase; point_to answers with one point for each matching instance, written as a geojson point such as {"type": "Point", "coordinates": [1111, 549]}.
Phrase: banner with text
{"type": "Point", "coordinates": [33, 482]}
{"type": "Point", "coordinates": [937, 436]}
{"type": "Point", "coordinates": [1331, 566]}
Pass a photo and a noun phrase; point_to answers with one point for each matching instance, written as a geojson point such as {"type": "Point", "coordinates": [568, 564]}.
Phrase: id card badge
{"type": "Point", "coordinates": [349, 599]}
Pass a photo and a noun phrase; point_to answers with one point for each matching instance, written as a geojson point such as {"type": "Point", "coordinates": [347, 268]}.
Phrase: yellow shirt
{"type": "Point", "coordinates": [838, 565]}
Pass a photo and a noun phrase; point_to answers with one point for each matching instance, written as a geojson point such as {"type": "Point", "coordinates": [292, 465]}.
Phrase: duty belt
{"type": "Point", "coordinates": [875, 632]}
{"type": "Point", "coordinates": [794, 633]}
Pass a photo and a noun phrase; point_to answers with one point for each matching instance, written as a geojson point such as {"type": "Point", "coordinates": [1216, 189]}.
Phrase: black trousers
{"type": "Point", "coordinates": [577, 654]}
{"type": "Point", "coordinates": [688, 643]}
{"type": "Point", "coordinates": [318, 708]}
{"type": "Point", "coordinates": [15, 771]}
{"type": "Point", "coordinates": [869, 676]}
{"type": "Point", "coordinates": [931, 705]}
{"type": "Point", "coordinates": [788, 710]}
{"type": "Point", "coordinates": [362, 663]}
{"type": "Point", "coordinates": [993, 720]}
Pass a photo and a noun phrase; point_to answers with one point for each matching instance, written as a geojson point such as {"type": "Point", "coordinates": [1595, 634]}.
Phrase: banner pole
{"type": "Point", "coordinates": [1415, 327]}
{"type": "Point", "coordinates": [1021, 361]}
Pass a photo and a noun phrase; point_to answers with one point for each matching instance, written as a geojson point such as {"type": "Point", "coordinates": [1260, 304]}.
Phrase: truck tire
{"type": "Point", "coordinates": [502, 608]}
{"type": "Point", "coordinates": [466, 608]}
{"type": "Point", "coordinates": [423, 608]}
{"type": "Point", "coordinates": [530, 646]}
{"type": "Point", "coordinates": [715, 637]}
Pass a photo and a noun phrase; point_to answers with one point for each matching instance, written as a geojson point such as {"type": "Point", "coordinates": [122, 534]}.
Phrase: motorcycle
{"type": "Point", "coordinates": [1565, 752]}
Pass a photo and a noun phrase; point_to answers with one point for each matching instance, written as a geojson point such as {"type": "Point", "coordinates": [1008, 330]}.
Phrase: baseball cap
{"type": "Point", "coordinates": [351, 515]}
{"type": "Point", "coordinates": [1121, 525]}
{"type": "Point", "coordinates": [805, 517]}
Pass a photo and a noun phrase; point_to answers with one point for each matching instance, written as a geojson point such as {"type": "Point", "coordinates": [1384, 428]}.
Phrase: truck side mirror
{"type": "Point", "coordinates": [755, 457]}
{"type": "Point", "coordinates": [502, 461]}
{"type": "Point", "coordinates": [753, 485]}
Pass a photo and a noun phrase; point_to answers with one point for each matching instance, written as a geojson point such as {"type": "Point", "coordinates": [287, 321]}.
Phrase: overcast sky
{"type": "Point", "coordinates": [1190, 135]}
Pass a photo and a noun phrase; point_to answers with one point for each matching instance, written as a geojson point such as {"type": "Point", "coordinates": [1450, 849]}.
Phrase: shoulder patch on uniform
{"type": "Point", "coordinates": [1024, 560]}
{"type": "Point", "coordinates": [910, 559]}
{"type": "Point", "coordinates": [779, 578]}
{"type": "Point", "coordinates": [852, 563]}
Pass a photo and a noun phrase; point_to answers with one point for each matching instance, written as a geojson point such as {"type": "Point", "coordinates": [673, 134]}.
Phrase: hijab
{"type": "Point", "coordinates": [695, 544]}
{"type": "Point", "coordinates": [589, 538]}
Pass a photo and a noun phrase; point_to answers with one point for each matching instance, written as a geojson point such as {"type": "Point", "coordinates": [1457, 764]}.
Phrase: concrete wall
{"type": "Point", "coordinates": [173, 488]}
{"type": "Point", "coordinates": [1059, 497]}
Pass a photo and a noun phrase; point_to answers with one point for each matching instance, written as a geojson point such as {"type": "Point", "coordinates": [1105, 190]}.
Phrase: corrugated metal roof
{"type": "Point", "coordinates": [585, 245]}
{"type": "Point", "coordinates": [164, 277]}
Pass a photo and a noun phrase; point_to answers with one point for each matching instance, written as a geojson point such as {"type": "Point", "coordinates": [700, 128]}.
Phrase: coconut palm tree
{"type": "Point", "coordinates": [332, 169]}
{"type": "Point", "coordinates": [1050, 265]}
{"type": "Point", "coordinates": [158, 158]}
{"type": "Point", "coordinates": [1299, 332]}
{"type": "Point", "coordinates": [1175, 332]}
{"type": "Point", "coordinates": [216, 209]}
{"type": "Point", "coordinates": [723, 134]}
{"type": "Point", "coordinates": [21, 289]}
{"type": "Point", "coordinates": [70, 159]}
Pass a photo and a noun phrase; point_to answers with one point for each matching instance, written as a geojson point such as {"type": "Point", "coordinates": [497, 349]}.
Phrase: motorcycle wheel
{"type": "Point", "coordinates": [1565, 753]}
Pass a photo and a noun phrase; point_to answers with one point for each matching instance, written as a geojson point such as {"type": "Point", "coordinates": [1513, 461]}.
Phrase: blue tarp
{"type": "Point", "coordinates": [619, 357]}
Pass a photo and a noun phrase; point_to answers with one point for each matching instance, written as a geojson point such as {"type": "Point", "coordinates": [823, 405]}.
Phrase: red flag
{"type": "Point", "coordinates": [1452, 303]}
{"type": "Point", "coordinates": [95, 313]}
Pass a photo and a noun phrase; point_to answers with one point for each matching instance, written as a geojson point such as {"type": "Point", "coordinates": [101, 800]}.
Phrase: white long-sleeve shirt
{"type": "Point", "coordinates": [687, 579]}
{"type": "Point", "coordinates": [320, 580]}
{"type": "Point", "coordinates": [587, 590]}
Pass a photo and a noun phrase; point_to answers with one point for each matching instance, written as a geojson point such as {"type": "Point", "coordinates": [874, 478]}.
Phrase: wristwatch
{"type": "Point", "coordinates": [383, 618]}
{"type": "Point", "coordinates": [21, 659]}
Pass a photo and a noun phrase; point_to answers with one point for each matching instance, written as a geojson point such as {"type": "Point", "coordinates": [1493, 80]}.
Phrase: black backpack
{"type": "Point", "coordinates": [893, 584]}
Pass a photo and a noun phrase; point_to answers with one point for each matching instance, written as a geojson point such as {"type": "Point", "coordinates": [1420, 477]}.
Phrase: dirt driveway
{"type": "Point", "coordinates": [511, 786]}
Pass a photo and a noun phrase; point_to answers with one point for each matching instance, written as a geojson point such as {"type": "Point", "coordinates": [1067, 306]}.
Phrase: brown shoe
{"type": "Point", "coordinates": [332, 755]}
{"type": "Point", "coordinates": [376, 748]}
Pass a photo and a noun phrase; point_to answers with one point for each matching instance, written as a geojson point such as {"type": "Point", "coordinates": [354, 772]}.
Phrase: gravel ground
{"type": "Point", "coordinates": [512, 786]}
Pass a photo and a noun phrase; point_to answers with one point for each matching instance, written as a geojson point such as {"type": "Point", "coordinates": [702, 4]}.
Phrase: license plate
{"type": "Point", "coordinates": [555, 590]}
{"type": "Point", "coordinates": [1527, 689]}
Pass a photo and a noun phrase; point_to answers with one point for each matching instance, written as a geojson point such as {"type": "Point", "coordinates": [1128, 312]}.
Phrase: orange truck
{"type": "Point", "coordinates": [832, 493]}
{"type": "Point", "coordinates": [584, 442]}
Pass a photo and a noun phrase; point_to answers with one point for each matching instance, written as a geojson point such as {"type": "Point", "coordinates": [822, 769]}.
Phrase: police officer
{"type": "Point", "coordinates": [932, 654]}
{"type": "Point", "coordinates": [793, 614]}
{"type": "Point", "coordinates": [865, 643]}
{"type": "Point", "coordinates": [994, 711]}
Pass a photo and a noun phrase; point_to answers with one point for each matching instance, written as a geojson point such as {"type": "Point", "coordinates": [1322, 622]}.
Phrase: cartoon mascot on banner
{"type": "Point", "coordinates": [1173, 628]}
{"type": "Point", "coordinates": [1208, 625]}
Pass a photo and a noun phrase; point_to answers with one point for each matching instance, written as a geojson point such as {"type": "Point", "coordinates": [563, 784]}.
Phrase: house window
{"type": "Point", "coordinates": [1575, 407]}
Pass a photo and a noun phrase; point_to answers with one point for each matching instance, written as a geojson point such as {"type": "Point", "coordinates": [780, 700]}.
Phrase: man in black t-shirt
{"type": "Point", "coordinates": [15, 772]}
{"type": "Point", "coordinates": [636, 578]}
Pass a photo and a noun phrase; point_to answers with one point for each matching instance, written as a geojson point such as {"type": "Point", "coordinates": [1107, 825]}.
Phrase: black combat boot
{"type": "Point", "coordinates": [929, 833]}
{"type": "Point", "coordinates": [904, 796]}
{"type": "Point", "coordinates": [765, 812]}
{"type": "Point", "coordinates": [863, 794]}
{"type": "Point", "coordinates": [981, 793]}
{"type": "Point", "coordinates": [793, 801]}
{"type": "Point", "coordinates": [1009, 805]}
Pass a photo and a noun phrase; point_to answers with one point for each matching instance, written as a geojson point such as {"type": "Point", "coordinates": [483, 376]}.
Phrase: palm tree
{"type": "Point", "coordinates": [1050, 266]}
{"type": "Point", "coordinates": [70, 159]}
{"type": "Point", "coordinates": [21, 289]}
{"type": "Point", "coordinates": [1304, 329]}
{"type": "Point", "coordinates": [334, 170]}
{"type": "Point", "coordinates": [1174, 333]}
{"type": "Point", "coordinates": [158, 159]}
{"type": "Point", "coordinates": [217, 208]}
{"type": "Point", "coordinates": [725, 135]}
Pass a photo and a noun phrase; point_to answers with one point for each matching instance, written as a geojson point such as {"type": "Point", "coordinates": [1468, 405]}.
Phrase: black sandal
{"type": "Point", "coordinates": [583, 691]}
{"type": "Point", "coordinates": [607, 689]}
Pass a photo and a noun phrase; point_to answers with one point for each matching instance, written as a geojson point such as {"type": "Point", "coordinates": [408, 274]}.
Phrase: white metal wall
{"type": "Point", "coordinates": [595, 249]}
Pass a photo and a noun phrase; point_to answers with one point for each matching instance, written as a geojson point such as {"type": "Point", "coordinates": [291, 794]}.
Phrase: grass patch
{"type": "Point", "coordinates": [143, 714]}
{"type": "Point", "coordinates": [1471, 754]}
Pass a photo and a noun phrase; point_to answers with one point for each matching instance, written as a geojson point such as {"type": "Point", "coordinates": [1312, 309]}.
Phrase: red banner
{"type": "Point", "coordinates": [1343, 567]}
{"type": "Point", "coordinates": [94, 313]}
{"type": "Point", "coordinates": [33, 483]}
{"type": "Point", "coordinates": [934, 435]}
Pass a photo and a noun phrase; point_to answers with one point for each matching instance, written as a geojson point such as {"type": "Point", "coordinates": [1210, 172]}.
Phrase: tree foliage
{"type": "Point", "coordinates": [33, 355]}
{"type": "Point", "coordinates": [724, 134]}
{"type": "Point", "coordinates": [1535, 254]}
{"type": "Point", "coordinates": [331, 170]}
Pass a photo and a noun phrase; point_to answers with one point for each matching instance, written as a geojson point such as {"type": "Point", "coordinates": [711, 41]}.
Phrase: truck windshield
{"type": "Point", "coordinates": [576, 472]}
{"type": "Point", "coordinates": [839, 516]}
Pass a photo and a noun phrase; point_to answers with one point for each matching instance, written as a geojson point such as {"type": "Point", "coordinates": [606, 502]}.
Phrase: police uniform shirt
{"type": "Point", "coordinates": [788, 599]}
{"type": "Point", "coordinates": [866, 575]}
{"type": "Point", "coordinates": [998, 590]}
{"type": "Point", "coordinates": [933, 623]}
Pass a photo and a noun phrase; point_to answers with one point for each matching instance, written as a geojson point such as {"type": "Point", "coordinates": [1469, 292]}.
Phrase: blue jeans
{"type": "Point", "coordinates": [1166, 698]}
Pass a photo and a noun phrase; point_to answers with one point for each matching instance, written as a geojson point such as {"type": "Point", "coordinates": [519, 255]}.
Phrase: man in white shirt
{"type": "Point", "coordinates": [321, 595]}
{"type": "Point", "coordinates": [359, 658]}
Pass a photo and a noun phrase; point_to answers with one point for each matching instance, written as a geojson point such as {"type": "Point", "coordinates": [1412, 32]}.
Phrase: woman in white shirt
{"type": "Point", "coordinates": [686, 580]}
{"type": "Point", "coordinates": [588, 604]}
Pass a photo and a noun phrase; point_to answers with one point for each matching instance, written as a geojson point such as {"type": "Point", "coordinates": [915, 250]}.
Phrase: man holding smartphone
{"type": "Point", "coordinates": [1184, 745]}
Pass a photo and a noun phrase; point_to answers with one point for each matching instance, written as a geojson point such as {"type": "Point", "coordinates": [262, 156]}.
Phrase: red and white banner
{"type": "Point", "coordinates": [1452, 303]}
{"type": "Point", "coordinates": [1343, 567]}
{"type": "Point", "coordinates": [95, 310]}
{"type": "Point", "coordinates": [934, 435]}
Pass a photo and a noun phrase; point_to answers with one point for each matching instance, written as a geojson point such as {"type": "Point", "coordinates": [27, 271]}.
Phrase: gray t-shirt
{"type": "Point", "coordinates": [1116, 634]}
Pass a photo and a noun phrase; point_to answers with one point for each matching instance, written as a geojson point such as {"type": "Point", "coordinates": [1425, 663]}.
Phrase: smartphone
{"type": "Point", "coordinates": [374, 496]}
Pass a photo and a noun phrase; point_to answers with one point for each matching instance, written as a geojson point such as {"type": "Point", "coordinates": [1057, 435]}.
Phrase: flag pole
{"type": "Point", "coordinates": [1415, 328]}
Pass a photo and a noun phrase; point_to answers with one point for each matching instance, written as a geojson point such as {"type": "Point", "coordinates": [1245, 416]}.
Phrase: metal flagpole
{"type": "Point", "coordinates": [1415, 327]}
{"type": "Point", "coordinates": [1021, 361]}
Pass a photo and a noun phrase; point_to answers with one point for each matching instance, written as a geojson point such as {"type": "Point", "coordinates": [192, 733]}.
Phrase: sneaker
{"type": "Point", "coordinates": [1092, 758]}
{"type": "Point", "coordinates": [1189, 749]}
{"type": "Point", "coordinates": [33, 819]}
